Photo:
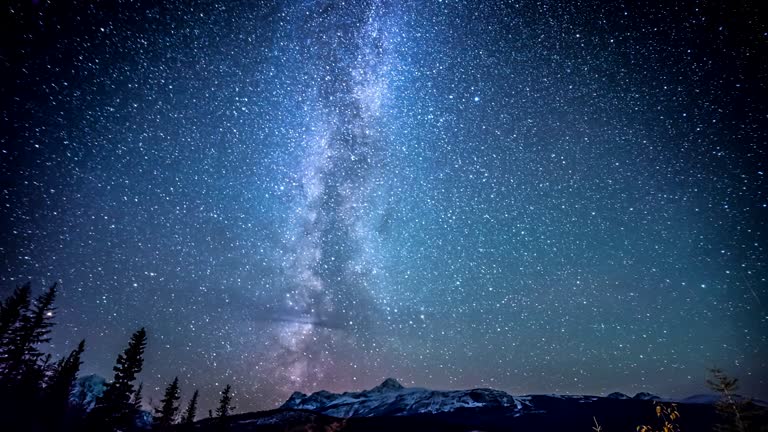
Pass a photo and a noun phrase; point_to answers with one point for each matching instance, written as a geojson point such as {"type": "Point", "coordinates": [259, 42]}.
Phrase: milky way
{"type": "Point", "coordinates": [551, 197]}
{"type": "Point", "coordinates": [342, 52]}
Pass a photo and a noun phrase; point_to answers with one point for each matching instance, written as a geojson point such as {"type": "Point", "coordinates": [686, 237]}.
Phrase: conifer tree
{"type": "Point", "coordinates": [41, 314]}
{"type": "Point", "coordinates": [58, 389]}
{"type": "Point", "coordinates": [14, 311]}
{"type": "Point", "coordinates": [25, 330]}
{"type": "Point", "coordinates": [116, 409]}
{"type": "Point", "coordinates": [11, 311]}
{"type": "Point", "coordinates": [59, 386]}
{"type": "Point", "coordinates": [727, 406]}
{"type": "Point", "coordinates": [166, 415]}
{"type": "Point", "coordinates": [191, 412]}
{"type": "Point", "coordinates": [137, 397]}
{"type": "Point", "coordinates": [739, 414]}
{"type": "Point", "coordinates": [225, 403]}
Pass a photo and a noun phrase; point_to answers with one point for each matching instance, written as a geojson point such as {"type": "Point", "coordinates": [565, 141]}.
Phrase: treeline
{"type": "Point", "coordinates": [36, 390]}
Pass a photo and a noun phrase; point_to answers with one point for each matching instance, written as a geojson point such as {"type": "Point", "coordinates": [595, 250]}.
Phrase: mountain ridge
{"type": "Point", "coordinates": [391, 406]}
{"type": "Point", "coordinates": [393, 399]}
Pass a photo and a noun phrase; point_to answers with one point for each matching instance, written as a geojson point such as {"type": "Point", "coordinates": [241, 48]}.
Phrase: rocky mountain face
{"type": "Point", "coordinates": [390, 398]}
{"type": "Point", "coordinates": [87, 389]}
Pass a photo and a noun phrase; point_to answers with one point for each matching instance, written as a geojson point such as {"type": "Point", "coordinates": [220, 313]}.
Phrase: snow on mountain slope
{"type": "Point", "coordinates": [87, 389]}
{"type": "Point", "coordinates": [391, 398]}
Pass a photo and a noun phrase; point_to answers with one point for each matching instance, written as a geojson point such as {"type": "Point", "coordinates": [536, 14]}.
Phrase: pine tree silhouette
{"type": "Point", "coordinates": [11, 312]}
{"type": "Point", "coordinates": [225, 403]}
{"type": "Point", "coordinates": [739, 414]}
{"type": "Point", "coordinates": [40, 328]}
{"type": "Point", "coordinates": [165, 416]}
{"type": "Point", "coordinates": [58, 389]}
{"type": "Point", "coordinates": [23, 366]}
{"type": "Point", "coordinates": [115, 409]}
{"type": "Point", "coordinates": [225, 408]}
{"type": "Point", "coordinates": [191, 412]}
{"type": "Point", "coordinates": [728, 407]}
{"type": "Point", "coordinates": [14, 314]}
{"type": "Point", "coordinates": [29, 327]}
{"type": "Point", "coordinates": [137, 397]}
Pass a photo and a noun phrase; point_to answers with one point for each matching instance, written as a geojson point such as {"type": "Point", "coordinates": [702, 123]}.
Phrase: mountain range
{"type": "Point", "coordinates": [391, 406]}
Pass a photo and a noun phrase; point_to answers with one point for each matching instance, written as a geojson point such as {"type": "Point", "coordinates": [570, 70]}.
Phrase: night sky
{"type": "Point", "coordinates": [538, 197]}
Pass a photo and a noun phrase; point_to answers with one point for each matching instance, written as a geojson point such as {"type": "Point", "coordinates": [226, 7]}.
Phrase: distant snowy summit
{"type": "Point", "coordinates": [87, 389]}
{"type": "Point", "coordinates": [390, 398]}
{"type": "Point", "coordinates": [640, 396]}
{"type": "Point", "coordinates": [388, 384]}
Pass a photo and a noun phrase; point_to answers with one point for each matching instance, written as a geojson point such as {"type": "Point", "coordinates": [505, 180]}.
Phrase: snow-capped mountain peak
{"type": "Point", "coordinates": [391, 398]}
{"type": "Point", "coordinates": [389, 384]}
{"type": "Point", "coordinates": [295, 398]}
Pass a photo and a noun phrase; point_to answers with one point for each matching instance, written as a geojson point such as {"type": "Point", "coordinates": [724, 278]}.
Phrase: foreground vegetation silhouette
{"type": "Point", "coordinates": [36, 393]}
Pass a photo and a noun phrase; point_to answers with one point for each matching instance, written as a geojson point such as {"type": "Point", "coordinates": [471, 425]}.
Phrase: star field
{"type": "Point", "coordinates": [539, 197]}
